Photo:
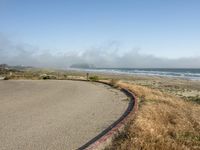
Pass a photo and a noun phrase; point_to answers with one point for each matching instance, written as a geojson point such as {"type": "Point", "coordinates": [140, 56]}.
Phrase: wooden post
{"type": "Point", "coordinates": [87, 76]}
{"type": "Point", "coordinates": [58, 75]}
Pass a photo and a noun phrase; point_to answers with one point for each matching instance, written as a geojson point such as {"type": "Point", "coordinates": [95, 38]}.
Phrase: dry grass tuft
{"type": "Point", "coordinates": [163, 122]}
{"type": "Point", "coordinates": [114, 82]}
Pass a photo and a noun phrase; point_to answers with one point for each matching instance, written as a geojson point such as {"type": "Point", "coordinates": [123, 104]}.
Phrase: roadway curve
{"type": "Point", "coordinates": [55, 115]}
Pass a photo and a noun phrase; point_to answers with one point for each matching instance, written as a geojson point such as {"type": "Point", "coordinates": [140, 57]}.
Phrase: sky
{"type": "Point", "coordinates": [105, 33]}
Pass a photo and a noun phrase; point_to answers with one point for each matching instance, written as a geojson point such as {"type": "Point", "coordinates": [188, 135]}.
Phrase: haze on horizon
{"type": "Point", "coordinates": [114, 33]}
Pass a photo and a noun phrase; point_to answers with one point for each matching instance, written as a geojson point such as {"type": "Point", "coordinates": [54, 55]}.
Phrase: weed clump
{"type": "Point", "coordinates": [48, 77]}
{"type": "Point", "coordinates": [195, 99]}
{"type": "Point", "coordinates": [7, 78]}
{"type": "Point", "coordinates": [114, 82]}
{"type": "Point", "coordinates": [94, 78]}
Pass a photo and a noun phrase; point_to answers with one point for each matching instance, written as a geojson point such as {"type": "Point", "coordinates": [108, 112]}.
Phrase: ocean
{"type": "Point", "coordinates": [192, 74]}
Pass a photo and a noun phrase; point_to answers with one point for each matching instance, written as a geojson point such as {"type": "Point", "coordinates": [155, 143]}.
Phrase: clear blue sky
{"type": "Point", "coordinates": [164, 28]}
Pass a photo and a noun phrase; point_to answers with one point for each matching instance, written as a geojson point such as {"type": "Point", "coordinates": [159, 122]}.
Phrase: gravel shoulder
{"type": "Point", "coordinates": [55, 115]}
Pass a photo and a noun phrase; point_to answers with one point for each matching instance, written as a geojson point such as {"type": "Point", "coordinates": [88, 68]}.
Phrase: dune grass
{"type": "Point", "coordinates": [163, 122]}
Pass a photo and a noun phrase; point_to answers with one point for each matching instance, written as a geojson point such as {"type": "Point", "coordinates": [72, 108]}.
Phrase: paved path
{"type": "Point", "coordinates": [55, 115]}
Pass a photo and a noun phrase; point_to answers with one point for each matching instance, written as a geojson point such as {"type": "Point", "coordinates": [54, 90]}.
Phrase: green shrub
{"type": "Point", "coordinates": [195, 99]}
{"type": "Point", "coordinates": [7, 78]}
{"type": "Point", "coordinates": [65, 76]}
{"type": "Point", "coordinates": [94, 78]}
{"type": "Point", "coordinates": [46, 78]}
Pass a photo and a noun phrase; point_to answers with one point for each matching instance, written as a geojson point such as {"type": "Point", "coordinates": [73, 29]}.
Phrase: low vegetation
{"type": "Point", "coordinates": [195, 99]}
{"type": "Point", "coordinates": [7, 78]}
{"type": "Point", "coordinates": [40, 74]}
{"type": "Point", "coordinates": [163, 121]}
{"type": "Point", "coordinates": [114, 82]}
{"type": "Point", "coordinates": [94, 78]}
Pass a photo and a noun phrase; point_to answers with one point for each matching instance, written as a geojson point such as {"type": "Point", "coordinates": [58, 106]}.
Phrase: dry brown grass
{"type": "Point", "coordinates": [163, 122]}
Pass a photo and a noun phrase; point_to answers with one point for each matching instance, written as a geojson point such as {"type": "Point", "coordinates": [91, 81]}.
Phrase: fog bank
{"type": "Point", "coordinates": [107, 55]}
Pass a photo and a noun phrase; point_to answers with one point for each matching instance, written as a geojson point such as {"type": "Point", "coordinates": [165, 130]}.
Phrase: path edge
{"type": "Point", "coordinates": [105, 138]}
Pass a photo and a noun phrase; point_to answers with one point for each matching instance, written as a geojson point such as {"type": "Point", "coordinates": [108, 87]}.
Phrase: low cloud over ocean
{"type": "Point", "coordinates": [106, 55]}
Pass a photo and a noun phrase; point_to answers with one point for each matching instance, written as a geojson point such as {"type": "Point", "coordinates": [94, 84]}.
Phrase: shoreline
{"type": "Point", "coordinates": [184, 88]}
{"type": "Point", "coordinates": [148, 73]}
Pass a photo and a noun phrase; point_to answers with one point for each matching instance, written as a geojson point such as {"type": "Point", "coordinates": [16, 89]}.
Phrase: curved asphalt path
{"type": "Point", "coordinates": [55, 115]}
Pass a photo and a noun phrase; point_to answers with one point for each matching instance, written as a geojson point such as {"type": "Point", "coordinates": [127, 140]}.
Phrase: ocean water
{"type": "Point", "coordinates": [192, 74]}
